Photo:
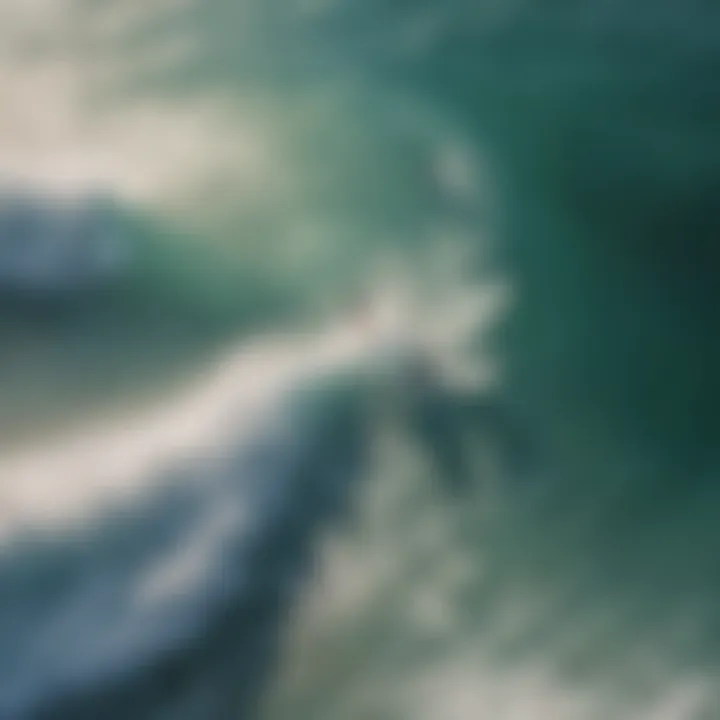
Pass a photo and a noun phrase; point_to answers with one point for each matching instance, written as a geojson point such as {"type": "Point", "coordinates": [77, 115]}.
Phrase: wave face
{"type": "Point", "coordinates": [405, 406]}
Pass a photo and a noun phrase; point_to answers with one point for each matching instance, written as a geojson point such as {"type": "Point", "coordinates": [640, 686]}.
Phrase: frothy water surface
{"type": "Point", "coordinates": [248, 481]}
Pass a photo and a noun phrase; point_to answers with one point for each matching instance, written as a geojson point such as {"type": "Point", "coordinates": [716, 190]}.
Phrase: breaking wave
{"type": "Point", "coordinates": [405, 407]}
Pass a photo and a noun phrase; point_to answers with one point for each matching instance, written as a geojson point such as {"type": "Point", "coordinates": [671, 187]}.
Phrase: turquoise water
{"type": "Point", "coordinates": [544, 548]}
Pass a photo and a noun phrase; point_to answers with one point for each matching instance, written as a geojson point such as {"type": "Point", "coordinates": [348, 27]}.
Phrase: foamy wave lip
{"type": "Point", "coordinates": [152, 153]}
{"type": "Point", "coordinates": [77, 476]}
{"type": "Point", "coordinates": [69, 121]}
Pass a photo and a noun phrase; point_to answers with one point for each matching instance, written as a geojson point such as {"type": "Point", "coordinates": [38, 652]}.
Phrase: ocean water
{"type": "Point", "coordinates": [406, 406]}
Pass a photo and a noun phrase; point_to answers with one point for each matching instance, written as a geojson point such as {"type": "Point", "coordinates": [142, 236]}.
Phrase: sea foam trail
{"type": "Point", "coordinates": [71, 478]}
{"type": "Point", "coordinates": [210, 502]}
{"type": "Point", "coordinates": [120, 607]}
{"type": "Point", "coordinates": [74, 476]}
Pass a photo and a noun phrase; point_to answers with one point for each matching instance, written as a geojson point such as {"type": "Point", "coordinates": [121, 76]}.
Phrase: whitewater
{"type": "Point", "coordinates": [406, 406]}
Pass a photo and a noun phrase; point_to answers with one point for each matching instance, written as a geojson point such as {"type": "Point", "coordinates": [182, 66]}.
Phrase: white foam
{"type": "Point", "coordinates": [72, 477]}
{"type": "Point", "coordinates": [69, 120]}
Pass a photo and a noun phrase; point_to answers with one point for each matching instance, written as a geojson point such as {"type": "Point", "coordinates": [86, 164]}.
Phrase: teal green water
{"type": "Point", "coordinates": [591, 130]}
